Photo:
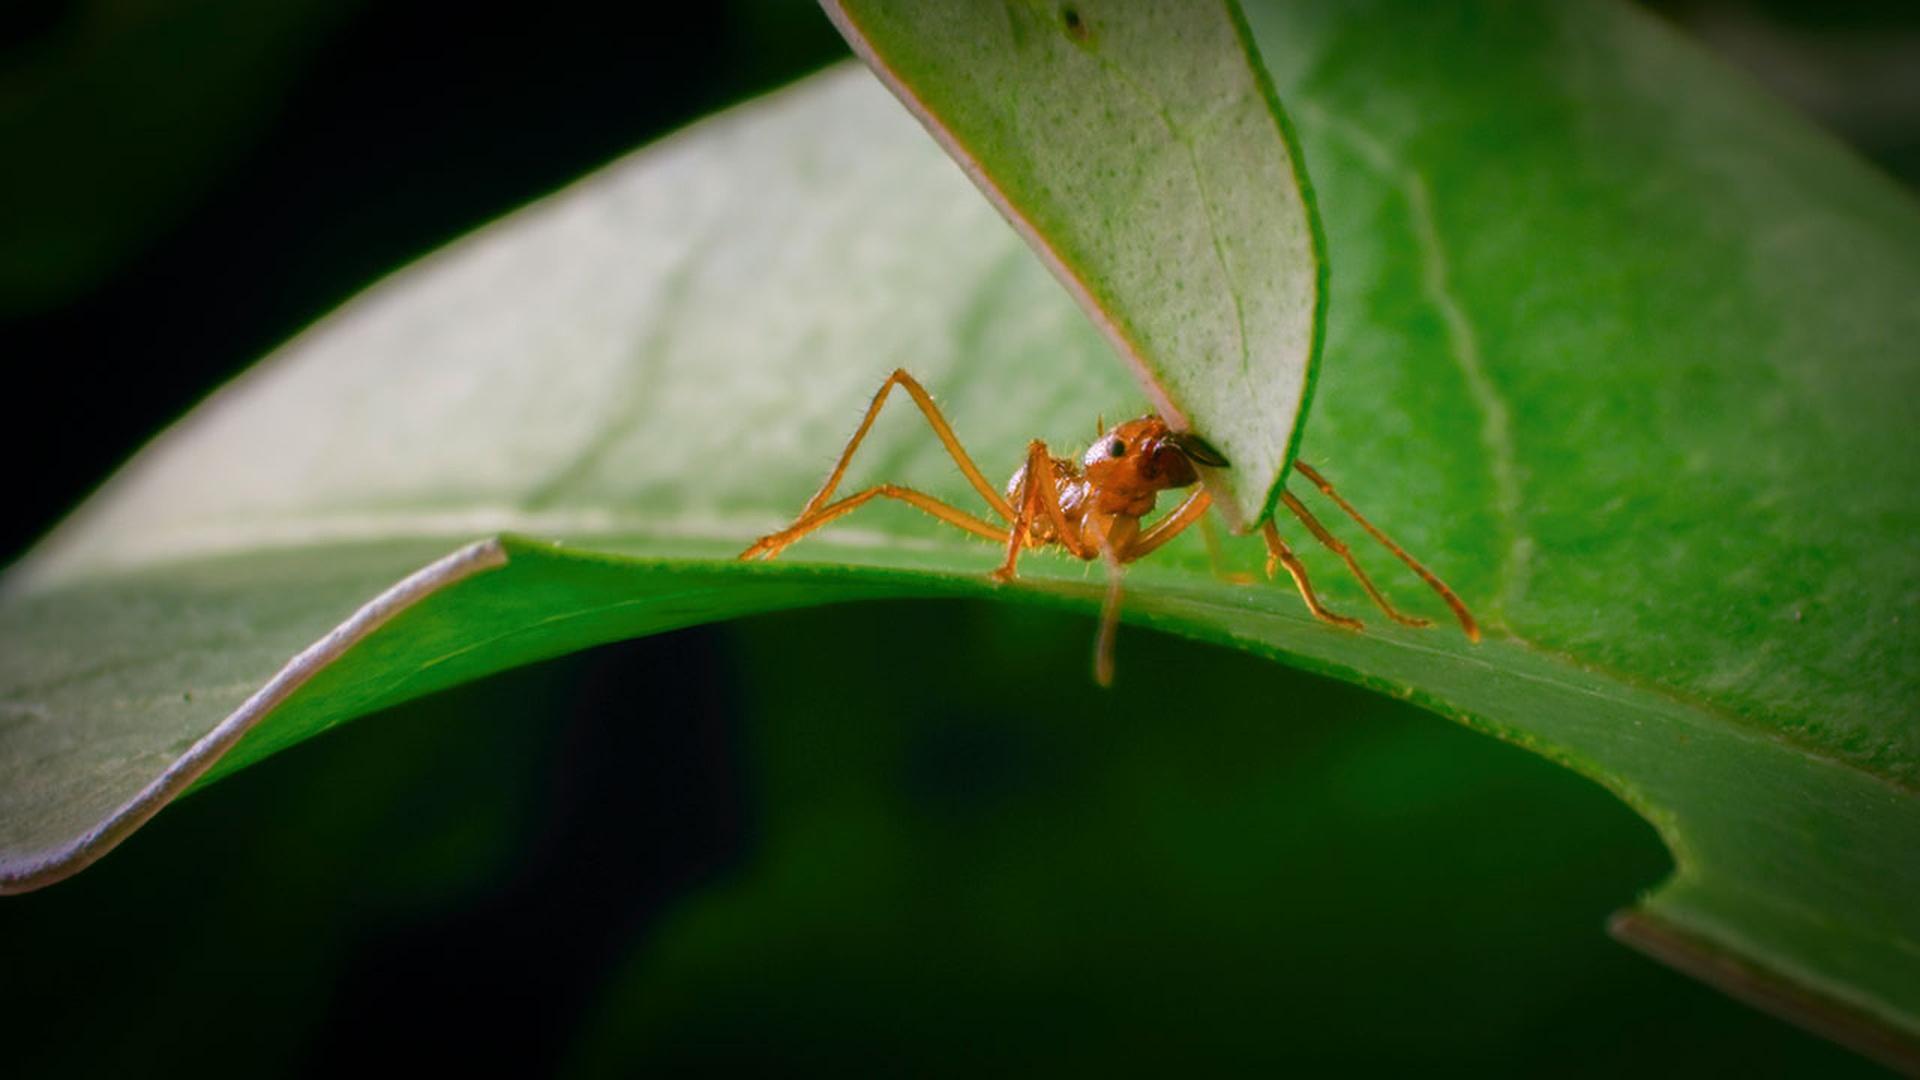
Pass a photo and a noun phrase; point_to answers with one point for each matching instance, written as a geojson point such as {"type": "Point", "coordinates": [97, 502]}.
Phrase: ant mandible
{"type": "Point", "coordinates": [1093, 507]}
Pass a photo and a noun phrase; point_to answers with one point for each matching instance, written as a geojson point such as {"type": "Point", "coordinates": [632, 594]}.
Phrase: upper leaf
{"type": "Point", "coordinates": [1139, 149]}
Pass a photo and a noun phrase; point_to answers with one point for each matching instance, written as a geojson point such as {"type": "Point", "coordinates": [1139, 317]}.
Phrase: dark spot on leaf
{"type": "Point", "coordinates": [1075, 26]}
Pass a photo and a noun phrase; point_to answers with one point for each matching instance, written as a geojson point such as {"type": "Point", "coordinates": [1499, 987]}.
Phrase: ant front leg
{"type": "Point", "coordinates": [1191, 509]}
{"type": "Point", "coordinates": [1279, 553]}
{"type": "Point", "coordinates": [1446, 594]}
{"type": "Point", "coordinates": [1334, 544]}
{"type": "Point", "coordinates": [1109, 619]}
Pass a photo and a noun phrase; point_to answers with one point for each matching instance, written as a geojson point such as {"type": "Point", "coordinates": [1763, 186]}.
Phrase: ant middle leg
{"type": "Point", "coordinates": [1038, 497]}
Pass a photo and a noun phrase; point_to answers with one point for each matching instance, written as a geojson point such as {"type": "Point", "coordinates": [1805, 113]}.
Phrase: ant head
{"type": "Point", "coordinates": [1143, 456]}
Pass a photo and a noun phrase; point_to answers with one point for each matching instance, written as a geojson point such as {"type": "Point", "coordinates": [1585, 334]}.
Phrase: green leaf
{"type": "Point", "coordinates": [1618, 346]}
{"type": "Point", "coordinates": [1139, 149]}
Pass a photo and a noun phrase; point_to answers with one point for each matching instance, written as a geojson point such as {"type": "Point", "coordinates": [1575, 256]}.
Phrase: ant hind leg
{"type": "Point", "coordinates": [773, 544]}
{"type": "Point", "coordinates": [821, 509]}
{"type": "Point", "coordinates": [941, 429]}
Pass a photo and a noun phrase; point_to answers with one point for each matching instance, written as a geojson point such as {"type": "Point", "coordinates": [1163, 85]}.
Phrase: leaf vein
{"type": "Point", "coordinates": [1463, 344]}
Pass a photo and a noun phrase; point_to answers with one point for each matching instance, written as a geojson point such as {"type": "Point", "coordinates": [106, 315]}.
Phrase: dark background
{"type": "Point", "coordinates": [569, 866]}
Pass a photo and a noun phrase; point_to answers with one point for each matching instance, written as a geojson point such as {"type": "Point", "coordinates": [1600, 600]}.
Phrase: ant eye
{"type": "Point", "coordinates": [1116, 448]}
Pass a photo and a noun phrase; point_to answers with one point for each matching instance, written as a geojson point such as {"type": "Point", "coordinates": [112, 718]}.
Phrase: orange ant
{"type": "Point", "coordinates": [1092, 508]}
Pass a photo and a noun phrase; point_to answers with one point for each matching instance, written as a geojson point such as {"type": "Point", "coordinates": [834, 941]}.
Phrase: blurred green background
{"type": "Point", "coordinates": [909, 837]}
